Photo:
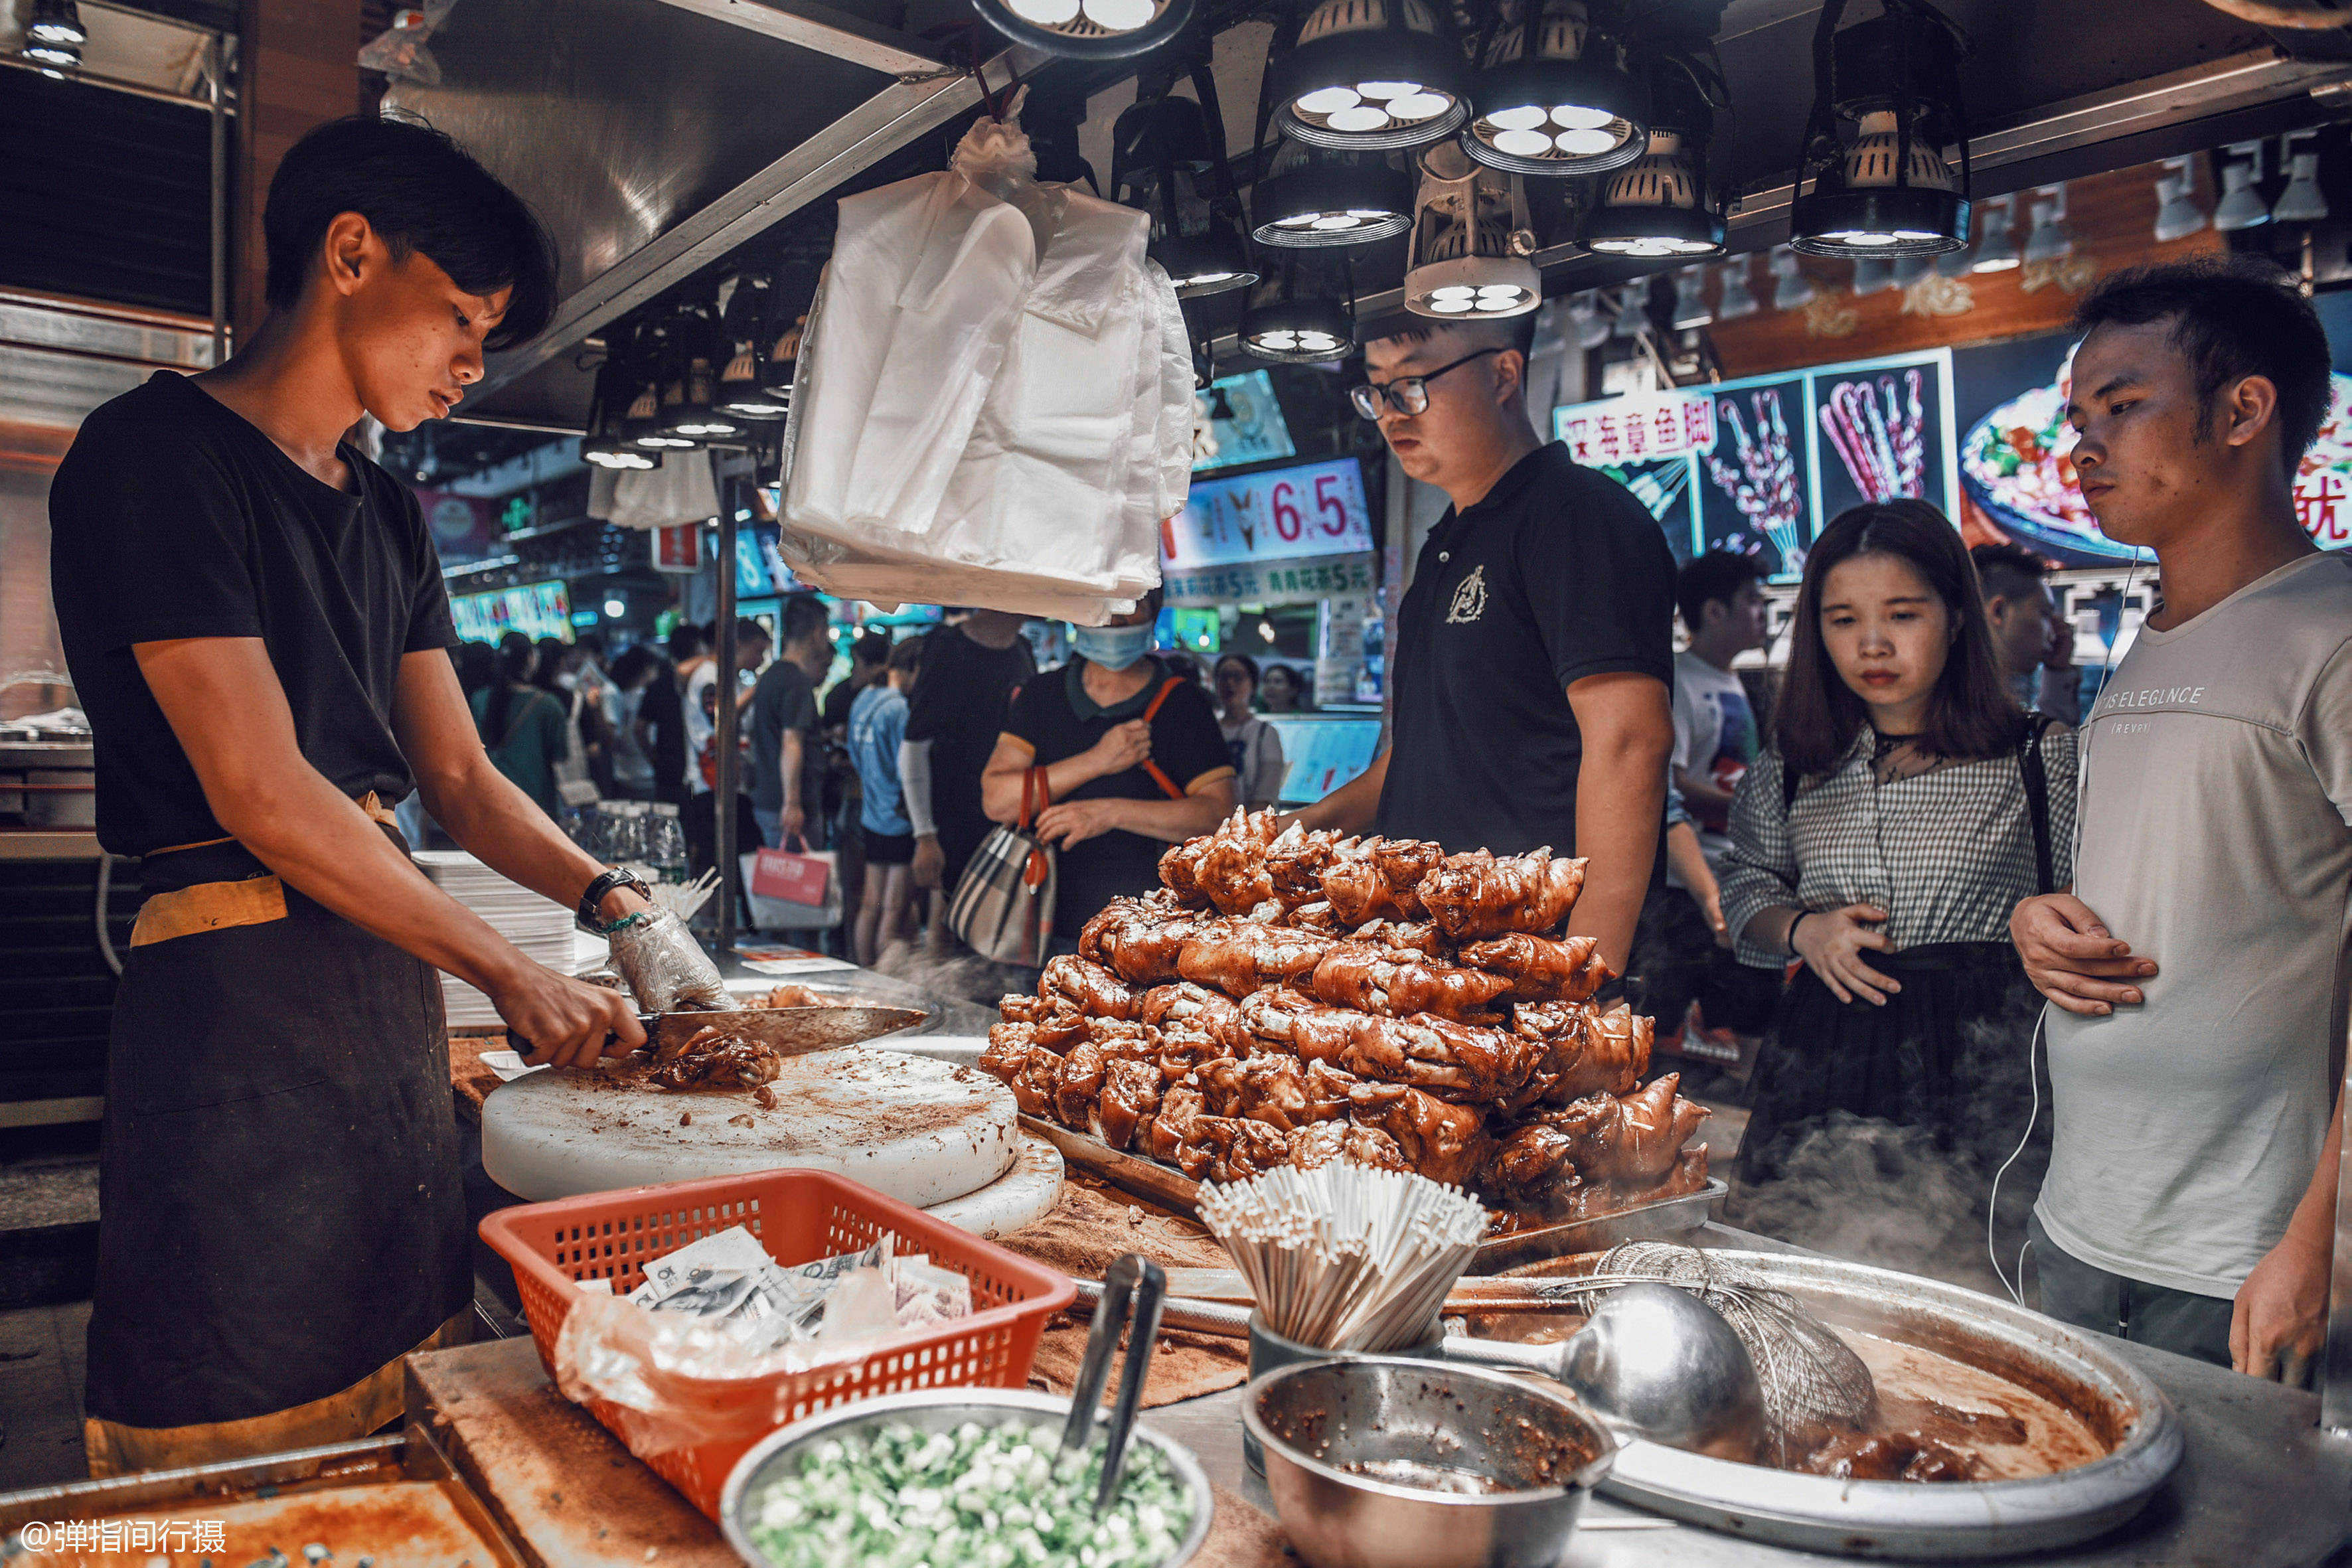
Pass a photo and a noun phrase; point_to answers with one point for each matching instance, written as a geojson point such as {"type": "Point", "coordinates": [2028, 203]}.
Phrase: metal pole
{"type": "Point", "coordinates": [215, 69]}
{"type": "Point", "coordinates": [729, 758]}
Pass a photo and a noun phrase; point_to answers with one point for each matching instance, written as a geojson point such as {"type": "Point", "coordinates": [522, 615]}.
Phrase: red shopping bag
{"type": "Point", "coordinates": [792, 877]}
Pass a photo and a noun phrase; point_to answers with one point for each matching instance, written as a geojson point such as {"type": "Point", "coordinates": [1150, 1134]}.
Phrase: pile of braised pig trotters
{"type": "Point", "coordinates": [1304, 997]}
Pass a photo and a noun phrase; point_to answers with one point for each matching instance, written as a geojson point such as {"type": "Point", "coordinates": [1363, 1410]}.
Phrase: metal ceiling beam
{"type": "Point", "coordinates": [909, 108]}
{"type": "Point", "coordinates": [813, 26]}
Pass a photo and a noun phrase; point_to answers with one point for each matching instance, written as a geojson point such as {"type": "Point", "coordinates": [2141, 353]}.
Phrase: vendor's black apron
{"type": "Point", "coordinates": [1949, 1053]}
{"type": "Point", "coordinates": [281, 1218]}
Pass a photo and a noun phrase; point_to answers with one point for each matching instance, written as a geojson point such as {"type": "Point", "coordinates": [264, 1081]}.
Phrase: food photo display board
{"type": "Point", "coordinates": [1757, 466]}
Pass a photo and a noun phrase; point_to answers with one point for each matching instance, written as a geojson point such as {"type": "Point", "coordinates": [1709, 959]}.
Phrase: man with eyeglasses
{"type": "Point", "coordinates": [1533, 656]}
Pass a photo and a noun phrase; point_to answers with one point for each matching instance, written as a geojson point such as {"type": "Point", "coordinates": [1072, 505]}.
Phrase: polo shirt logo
{"type": "Point", "coordinates": [1469, 599]}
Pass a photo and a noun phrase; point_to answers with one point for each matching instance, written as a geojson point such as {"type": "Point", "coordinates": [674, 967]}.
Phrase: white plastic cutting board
{"type": "Point", "coordinates": [919, 1130]}
{"type": "Point", "coordinates": [1023, 1196]}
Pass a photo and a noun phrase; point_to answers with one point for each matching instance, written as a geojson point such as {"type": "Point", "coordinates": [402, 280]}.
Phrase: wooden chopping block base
{"type": "Point", "coordinates": [918, 1130]}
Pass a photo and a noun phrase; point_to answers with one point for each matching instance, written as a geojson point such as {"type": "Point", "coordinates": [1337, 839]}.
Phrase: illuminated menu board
{"type": "Point", "coordinates": [1757, 466]}
{"type": "Point", "coordinates": [535, 609]}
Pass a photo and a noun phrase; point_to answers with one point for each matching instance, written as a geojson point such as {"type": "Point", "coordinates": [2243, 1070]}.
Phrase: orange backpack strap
{"type": "Point", "coordinates": [1159, 774]}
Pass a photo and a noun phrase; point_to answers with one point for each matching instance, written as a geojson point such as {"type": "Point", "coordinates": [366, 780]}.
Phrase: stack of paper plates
{"type": "Point", "coordinates": [541, 927]}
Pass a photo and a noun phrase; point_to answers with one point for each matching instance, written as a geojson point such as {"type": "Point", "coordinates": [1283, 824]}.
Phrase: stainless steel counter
{"type": "Point", "coordinates": [2260, 1486]}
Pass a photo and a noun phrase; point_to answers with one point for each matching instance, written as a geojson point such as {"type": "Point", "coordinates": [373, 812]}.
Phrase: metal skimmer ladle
{"type": "Point", "coordinates": [1137, 1277]}
{"type": "Point", "coordinates": [1651, 1362]}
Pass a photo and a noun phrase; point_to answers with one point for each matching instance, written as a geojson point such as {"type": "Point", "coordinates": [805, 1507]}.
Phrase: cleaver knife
{"type": "Point", "coordinates": [787, 1031]}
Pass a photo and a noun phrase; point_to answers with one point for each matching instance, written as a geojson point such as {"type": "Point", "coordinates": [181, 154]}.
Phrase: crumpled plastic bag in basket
{"type": "Point", "coordinates": [711, 1373]}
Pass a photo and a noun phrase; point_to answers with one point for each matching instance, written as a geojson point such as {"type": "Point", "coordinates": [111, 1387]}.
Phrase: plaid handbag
{"type": "Point", "coordinates": [1003, 906]}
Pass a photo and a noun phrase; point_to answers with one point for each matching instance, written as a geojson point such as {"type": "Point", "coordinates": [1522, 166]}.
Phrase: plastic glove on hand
{"type": "Point", "coordinates": [664, 967]}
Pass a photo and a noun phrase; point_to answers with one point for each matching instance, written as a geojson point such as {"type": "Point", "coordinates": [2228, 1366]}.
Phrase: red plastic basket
{"type": "Point", "coordinates": [800, 1217]}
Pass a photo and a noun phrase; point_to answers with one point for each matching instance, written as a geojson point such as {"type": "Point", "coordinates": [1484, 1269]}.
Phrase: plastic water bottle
{"type": "Point", "coordinates": [666, 843]}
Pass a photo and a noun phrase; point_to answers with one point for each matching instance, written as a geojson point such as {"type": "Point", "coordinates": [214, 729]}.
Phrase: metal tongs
{"type": "Point", "coordinates": [1136, 1277]}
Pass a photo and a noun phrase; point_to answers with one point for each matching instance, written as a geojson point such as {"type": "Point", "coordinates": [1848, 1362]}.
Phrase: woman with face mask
{"type": "Point", "coordinates": [1133, 762]}
{"type": "Point", "coordinates": [1903, 806]}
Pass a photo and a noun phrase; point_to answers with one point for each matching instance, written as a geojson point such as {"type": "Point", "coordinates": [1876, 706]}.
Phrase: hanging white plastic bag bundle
{"type": "Point", "coordinates": [1079, 448]}
{"type": "Point", "coordinates": [905, 338]}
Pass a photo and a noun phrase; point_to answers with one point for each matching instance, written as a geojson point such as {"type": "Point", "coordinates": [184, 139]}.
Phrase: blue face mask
{"type": "Point", "coordinates": [1113, 647]}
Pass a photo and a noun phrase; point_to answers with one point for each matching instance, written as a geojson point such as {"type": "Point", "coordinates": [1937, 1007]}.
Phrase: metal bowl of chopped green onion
{"type": "Point", "coordinates": [962, 1476]}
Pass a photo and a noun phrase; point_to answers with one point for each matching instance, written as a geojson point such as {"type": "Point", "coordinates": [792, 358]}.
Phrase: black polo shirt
{"type": "Point", "coordinates": [1557, 574]}
{"type": "Point", "coordinates": [171, 517]}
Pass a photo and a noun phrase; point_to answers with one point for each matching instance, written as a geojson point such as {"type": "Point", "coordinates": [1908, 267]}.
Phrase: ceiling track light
{"type": "Point", "coordinates": [689, 417]}
{"type": "Point", "coordinates": [606, 444]}
{"type": "Point", "coordinates": [1691, 309]}
{"type": "Point", "coordinates": [1791, 290]}
{"type": "Point", "coordinates": [1370, 75]}
{"type": "Point", "coordinates": [1161, 137]}
{"type": "Point", "coordinates": [57, 22]}
{"type": "Point", "coordinates": [1089, 29]}
{"type": "Point", "coordinates": [1470, 241]}
{"type": "Point", "coordinates": [1996, 248]}
{"type": "Point", "coordinates": [2048, 240]}
{"type": "Point", "coordinates": [2178, 216]}
{"type": "Point", "coordinates": [1888, 193]}
{"type": "Point", "coordinates": [1310, 318]}
{"type": "Point", "coordinates": [1315, 198]}
{"type": "Point", "coordinates": [1553, 94]}
{"type": "Point", "coordinates": [1664, 205]}
{"type": "Point", "coordinates": [746, 338]}
{"type": "Point", "coordinates": [1630, 315]}
{"type": "Point", "coordinates": [2241, 205]}
{"type": "Point", "coordinates": [2302, 201]}
{"type": "Point", "coordinates": [1737, 299]}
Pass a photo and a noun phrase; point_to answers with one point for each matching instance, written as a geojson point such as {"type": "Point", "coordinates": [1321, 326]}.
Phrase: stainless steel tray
{"type": "Point", "coordinates": [1944, 1519]}
{"type": "Point", "coordinates": [1173, 1189]}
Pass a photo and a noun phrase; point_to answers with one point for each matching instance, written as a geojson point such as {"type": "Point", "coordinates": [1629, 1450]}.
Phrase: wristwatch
{"type": "Point", "coordinates": [594, 898]}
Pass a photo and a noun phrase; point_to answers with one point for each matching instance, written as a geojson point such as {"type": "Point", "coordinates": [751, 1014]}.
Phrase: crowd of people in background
{"type": "Point", "coordinates": [1865, 885]}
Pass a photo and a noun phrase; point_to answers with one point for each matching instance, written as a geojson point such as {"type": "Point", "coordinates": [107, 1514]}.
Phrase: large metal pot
{"type": "Point", "coordinates": [2120, 1404]}
{"type": "Point", "coordinates": [780, 1453]}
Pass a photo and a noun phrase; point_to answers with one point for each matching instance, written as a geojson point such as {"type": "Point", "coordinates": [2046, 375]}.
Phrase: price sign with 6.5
{"type": "Point", "coordinates": [1316, 508]}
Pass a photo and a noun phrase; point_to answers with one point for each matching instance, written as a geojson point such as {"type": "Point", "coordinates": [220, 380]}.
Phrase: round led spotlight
{"type": "Point", "coordinates": [1298, 331]}
{"type": "Point", "coordinates": [1363, 78]}
{"type": "Point", "coordinates": [65, 56]}
{"type": "Point", "coordinates": [1557, 117]}
{"type": "Point", "coordinates": [1655, 210]}
{"type": "Point", "coordinates": [1089, 29]}
{"type": "Point", "coordinates": [57, 22]}
{"type": "Point", "coordinates": [1880, 221]}
{"type": "Point", "coordinates": [1491, 285]}
{"type": "Point", "coordinates": [1328, 200]}
{"type": "Point", "coordinates": [1213, 261]}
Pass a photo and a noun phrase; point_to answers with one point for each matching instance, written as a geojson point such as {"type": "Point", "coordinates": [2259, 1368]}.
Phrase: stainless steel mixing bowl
{"type": "Point", "coordinates": [780, 1452]}
{"type": "Point", "coordinates": [1333, 1429]}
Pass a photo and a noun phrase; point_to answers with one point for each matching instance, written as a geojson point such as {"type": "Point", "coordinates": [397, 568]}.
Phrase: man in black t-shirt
{"type": "Point", "coordinates": [1533, 656]}
{"type": "Point", "coordinates": [971, 670]}
{"type": "Point", "coordinates": [255, 623]}
{"type": "Point", "coordinates": [1134, 761]}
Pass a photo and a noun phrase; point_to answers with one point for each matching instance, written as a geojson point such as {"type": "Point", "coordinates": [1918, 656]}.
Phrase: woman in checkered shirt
{"type": "Point", "coordinates": [1925, 806]}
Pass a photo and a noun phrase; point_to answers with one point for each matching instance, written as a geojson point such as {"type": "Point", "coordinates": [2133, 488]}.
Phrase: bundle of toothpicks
{"type": "Point", "coordinates": [1345, 1256]}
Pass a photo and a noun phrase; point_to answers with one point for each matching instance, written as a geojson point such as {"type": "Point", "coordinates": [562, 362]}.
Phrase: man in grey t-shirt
{"type": "Point", "coordinates": [2198, 971]}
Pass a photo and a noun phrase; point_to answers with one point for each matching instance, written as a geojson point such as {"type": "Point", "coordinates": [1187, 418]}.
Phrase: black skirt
{"type": "Point", "coordinates": [1947, 1055]}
